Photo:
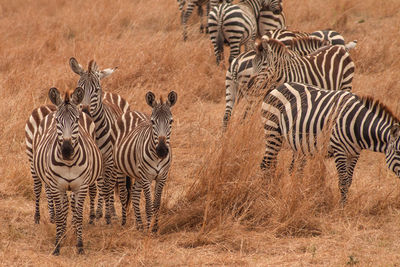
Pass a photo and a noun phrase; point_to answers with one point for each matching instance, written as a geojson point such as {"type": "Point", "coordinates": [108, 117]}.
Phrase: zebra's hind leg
{"type": "Point", "coordinates": [100, 199]}
{"type": "Point", "coordinates": [78, 215]}
{"type": "Point", "coordinates": [61, 212]}
{"type": "Point", "coordinates": [50, 204]}
{"type": "Point", "coordinates": [37, 189]}
{"type": "Point", "coordinates": [273, 145]}
{"type": "Point", "coordinates": [136, 193]}
{"type": "Point", "coordinates": [92, 197]}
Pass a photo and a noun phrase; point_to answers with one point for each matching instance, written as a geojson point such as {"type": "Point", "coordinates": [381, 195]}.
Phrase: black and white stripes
{"type": "Point", "coordinates": [143, 151]}
{"type": "Point", "coordinates": [66, 158]}
{"type": "Point", "coordinates": [302, 114]}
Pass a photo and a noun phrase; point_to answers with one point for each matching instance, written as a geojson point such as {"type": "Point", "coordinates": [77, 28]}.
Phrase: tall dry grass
{"type": "Point", "coordinates": [217, 206]}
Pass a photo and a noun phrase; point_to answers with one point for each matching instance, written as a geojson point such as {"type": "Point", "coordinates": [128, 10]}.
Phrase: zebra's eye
{"type": "Point", "coordinates": [153, 122]}
{"type": "Point", "coordinates": [171, 121]}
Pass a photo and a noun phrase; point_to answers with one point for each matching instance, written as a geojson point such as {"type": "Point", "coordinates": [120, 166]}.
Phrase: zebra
{"type": "Point", "coordinates": [185, 15]}
{"type": "Point", "coordinates": [300, 114]}
{"type": "Point", "coordinates": [237, 25]}
{"type": "Point", "coordinates": [142, 150]}
{"type": "Point", "coordinates": [66, 158]}
{"type": "Point", "coordinates": [241, 69]}
{"type": "Point", "coordinates": [31, 128]}
{"type": "Point", "coordinates": [270, 20]}
{"type": "Point", "coordinates": [104, 111]}
{"type": "Point", "coordinates": [330, 67]}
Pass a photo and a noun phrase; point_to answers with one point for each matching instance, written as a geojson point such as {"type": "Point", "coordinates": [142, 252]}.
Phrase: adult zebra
{"type": "Point", "coordinates": [142, 150]}
{"type": "Point", "coordinates": [299, 114]}
{"type": "Point", "coordinates": [191, 4]}
{"type": "Point", "coordinates": [237, 25]}
{"type": "Point", "coordinates": [104, 109]}
{"type": "Point", "coordinates": [66, 158]}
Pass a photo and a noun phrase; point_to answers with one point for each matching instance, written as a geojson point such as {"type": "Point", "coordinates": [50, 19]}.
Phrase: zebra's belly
{"type": "Point", "coordinates": [308, 143]}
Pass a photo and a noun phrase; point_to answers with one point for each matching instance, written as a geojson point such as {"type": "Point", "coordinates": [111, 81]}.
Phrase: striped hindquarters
{"type": "Point", "coordinates": [269, 21]}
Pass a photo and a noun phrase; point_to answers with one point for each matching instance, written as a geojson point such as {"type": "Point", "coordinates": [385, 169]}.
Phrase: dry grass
{"type": "Point", "coordinates": [215, 207]}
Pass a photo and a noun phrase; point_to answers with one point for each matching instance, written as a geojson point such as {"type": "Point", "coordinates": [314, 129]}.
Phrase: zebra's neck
{"type": "Point", "coordinates": [376, 132]}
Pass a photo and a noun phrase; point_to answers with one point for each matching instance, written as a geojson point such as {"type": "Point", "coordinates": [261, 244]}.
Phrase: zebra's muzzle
{"type": "Point", "coordinates": [67, 150]}
{"type": "Point", "coordinates": [162, 148]}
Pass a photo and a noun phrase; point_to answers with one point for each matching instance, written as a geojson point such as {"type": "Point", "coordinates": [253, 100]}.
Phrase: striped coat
{"type": "Point", "coordinates": [66, 158]}
{"type": "Point", "coordinates": [142, 150]}
{"type": "Point", "coordinates": [309, 118]}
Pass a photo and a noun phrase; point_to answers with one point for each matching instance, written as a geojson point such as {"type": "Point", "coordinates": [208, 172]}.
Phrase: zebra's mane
{"type": "Point", "coordinates": [298, 43]}
{"type": "Point", "coordinates": [377, 106]}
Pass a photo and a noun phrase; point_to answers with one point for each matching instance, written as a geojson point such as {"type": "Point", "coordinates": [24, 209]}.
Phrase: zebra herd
{"type": "Point", "coordinates": [304, 81]}
{"type": "Point", "coordinates": [92, 141]}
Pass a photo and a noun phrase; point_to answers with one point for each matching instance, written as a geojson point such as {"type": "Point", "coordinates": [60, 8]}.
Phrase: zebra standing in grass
{"type": "Point", "coordinates": [191, 4]}
{"type": "Point", "coordinates": [144, 152]}
{"type": "Point", "coordinates": [237, 25]}
{"type": "Point", "coordinates": [31, 129]}
{"type": "Point", "coordinates": [66, 158]}
{"type": "Point", "coordinates": [104, 111]}
{"type": "Point", "coordinates": [302, 114]}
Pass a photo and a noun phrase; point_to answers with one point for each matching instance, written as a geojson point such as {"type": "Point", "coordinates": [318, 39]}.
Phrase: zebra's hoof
{"type": "Point", "coordinates": [56, 251]}
{"type": "Point", "coordinates": [99, 214]}
{"type": "Point", "coordinates": [52, 220]}
{"type": "Point", "coordinates": [108, 220]}
{"type": "Point", "coordinates": [37, 219]}
{"type": "Point", "coordinates": [80, 249]}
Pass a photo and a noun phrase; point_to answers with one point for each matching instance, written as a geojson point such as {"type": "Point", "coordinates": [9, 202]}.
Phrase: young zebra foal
{"type": "Point", "coordinates": [66, 158]}
{"type": "Point", "coordinates": [142, 151]}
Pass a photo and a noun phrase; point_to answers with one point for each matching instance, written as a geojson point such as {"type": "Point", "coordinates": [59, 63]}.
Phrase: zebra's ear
{"type": "Point", "coordinates": [106, 72]}
{"type": "Point", "coordinates": [150, 99]}
{"type": "Point", "coordinates": [395, 132]}
{"type": "Point", "coordinates": [172, 98]}
{"type": "Point", "coordinates": [75, 66]}
{"type": "Point", "coordinates": [77, 96]}
{"type": "Point", "coordinates": [55, 97]}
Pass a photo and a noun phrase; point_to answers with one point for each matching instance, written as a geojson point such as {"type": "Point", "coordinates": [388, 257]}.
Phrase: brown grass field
{"type": "Point", "coordinates": [215, 208]}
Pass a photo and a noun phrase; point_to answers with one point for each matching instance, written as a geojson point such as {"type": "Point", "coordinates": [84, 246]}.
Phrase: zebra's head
{"type": "Point", "coordinates": [392, 152]}
{"type": "Point", "coordinates": [67, 119]}
{"type": "Point", "coordinates": [181, 4]}
{"type": "Point", "coordinates": [274, 5]}
{"type": "Point", "coordinates": [161, 120]}
{"type": "Point", "coordinates": [90, 82]}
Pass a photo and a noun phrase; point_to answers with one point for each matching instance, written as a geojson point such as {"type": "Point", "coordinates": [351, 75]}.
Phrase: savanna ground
{"type": "Point", "coordinates": [215, 206]}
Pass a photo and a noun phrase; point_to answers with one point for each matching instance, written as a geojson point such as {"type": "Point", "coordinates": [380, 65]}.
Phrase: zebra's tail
{"type": "Point", "coordinates": [129, 193]}
{"type": "Point", "coordinates": [350, 45]}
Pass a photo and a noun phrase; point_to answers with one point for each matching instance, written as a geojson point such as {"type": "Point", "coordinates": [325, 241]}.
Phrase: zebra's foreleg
{"type": "Point", "coordinates": [149, 204]}
{"type": "Point", "coordinates": [61, 212]}
{"type": "Point", "coordinates": [78, 215]}
{"type": "Point", "coordinates": [136, 193]}
{"type": "Point", "coordinates": [272, 147]}
{"type": "Point", "coordinates": [50, 203]}
{"type": "Point", "coordinates": [100, 199]}
{"type": "Point", "coordinates": [345, 166]}
{"type": "Point", "coordinates": [157, 201]}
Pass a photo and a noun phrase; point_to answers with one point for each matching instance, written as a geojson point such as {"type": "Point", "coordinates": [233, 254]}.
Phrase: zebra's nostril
{"type": "Point", "coordinates": [67, 149]}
